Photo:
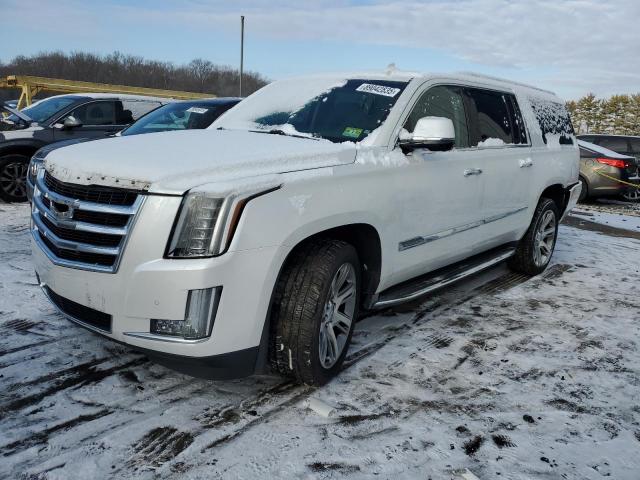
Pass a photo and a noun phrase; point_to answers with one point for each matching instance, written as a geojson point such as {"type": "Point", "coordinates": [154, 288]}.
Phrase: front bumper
{"type": "Point", "coordinates": [148, 286]}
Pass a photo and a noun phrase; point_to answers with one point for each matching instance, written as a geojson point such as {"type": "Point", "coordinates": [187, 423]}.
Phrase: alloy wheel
{"type": "Point", "coordinates": [338, 316]}
{"type": "Point", "coordinates": [545, 239]}
{"type": "Point", "coordinates": [13, 179]}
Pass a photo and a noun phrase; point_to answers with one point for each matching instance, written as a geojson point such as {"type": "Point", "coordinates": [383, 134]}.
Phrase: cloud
{"type": "Point", "coordinates": [586, 44]}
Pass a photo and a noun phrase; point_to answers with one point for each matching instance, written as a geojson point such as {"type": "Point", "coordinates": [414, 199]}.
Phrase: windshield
{"type": "Point", "coordinates": [178, 116]}
{"type": "Point", "coordinates": [338, 110]}
{"type": "Point", "coordinates": [47, 108]}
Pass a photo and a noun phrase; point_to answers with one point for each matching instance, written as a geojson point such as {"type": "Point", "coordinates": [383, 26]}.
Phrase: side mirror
{"type": "Point", "coordinates": [71, 122]}
{"type": "Point", "coordinates": [433, 133]}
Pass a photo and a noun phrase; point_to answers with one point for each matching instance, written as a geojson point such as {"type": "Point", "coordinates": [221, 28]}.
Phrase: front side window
{"type": "Point", "coordinates": [338, 110]}
{"type": "Point", "coordinates": [489, 118]}
{"type": "Point", "coordinates": [96, 113]}
{"type": "Point", "coordinates": [442, 101]}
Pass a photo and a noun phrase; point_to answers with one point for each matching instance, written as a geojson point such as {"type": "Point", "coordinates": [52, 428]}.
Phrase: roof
{"type": "Point", "coordinates": [112, 95]}
{"type": "Point", "coordinates": [606, 135]}
{"type": "Point", "coordinates": [394, 74]}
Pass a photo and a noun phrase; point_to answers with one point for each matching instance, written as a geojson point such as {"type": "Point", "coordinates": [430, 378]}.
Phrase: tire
{"type": "Point", "coordinates": [530, 258]}
{"type": "Point", "coordinates": [632, 195]}
{"type": "Point", "coordinates": [302, 308]}
{"type": "Point", "coordinates": [584, 192]}
{"type": "Point", "coordinates": [13, 177]}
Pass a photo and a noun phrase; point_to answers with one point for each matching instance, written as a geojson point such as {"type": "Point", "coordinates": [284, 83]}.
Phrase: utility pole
{"type": "Point", "coordinates": [241, 50]}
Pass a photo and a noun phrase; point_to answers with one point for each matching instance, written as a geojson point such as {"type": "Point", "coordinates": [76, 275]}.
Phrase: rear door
{"type": "Point", "coordinates": [500, 146]}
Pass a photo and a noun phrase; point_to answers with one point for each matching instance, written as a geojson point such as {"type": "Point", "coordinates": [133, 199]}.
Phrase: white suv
{"type": "Point", "coordinates": [256, 243]}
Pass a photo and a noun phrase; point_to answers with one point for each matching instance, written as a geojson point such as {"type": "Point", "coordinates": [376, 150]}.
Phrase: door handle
{"type": "Point", "coordinates": [526, 163]}
{"type": "Point", "coordinates": [472, 171]}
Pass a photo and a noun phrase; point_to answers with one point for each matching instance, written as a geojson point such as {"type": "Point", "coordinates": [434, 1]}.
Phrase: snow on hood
{"type": "Point", "coordinates": [174, 162]}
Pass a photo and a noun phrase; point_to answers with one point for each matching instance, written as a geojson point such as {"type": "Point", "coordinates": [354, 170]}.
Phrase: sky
{"type": "Point", "coordinates": [572, 47]}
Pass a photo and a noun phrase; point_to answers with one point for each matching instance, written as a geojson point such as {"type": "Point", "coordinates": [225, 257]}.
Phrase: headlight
{"type": "Point", "coordinates": [206, 223]}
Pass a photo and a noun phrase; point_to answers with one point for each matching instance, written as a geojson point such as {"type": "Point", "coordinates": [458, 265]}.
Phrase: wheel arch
{"type": "Point", "coordinates": [20, 148]}
{"type": "Point", "coordinates": [365, 239]}
{"type": "Point", "coordinates": [559, 194]}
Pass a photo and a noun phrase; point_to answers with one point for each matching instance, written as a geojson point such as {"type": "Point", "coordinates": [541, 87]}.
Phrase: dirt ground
{"type": "Point", "coordinates": [501, 376]}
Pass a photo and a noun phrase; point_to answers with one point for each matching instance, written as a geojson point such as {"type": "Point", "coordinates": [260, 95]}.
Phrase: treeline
{"type": "Point", "coordinates": [619, 114]}
{"type": "Point", "coordinates": [196, 76]}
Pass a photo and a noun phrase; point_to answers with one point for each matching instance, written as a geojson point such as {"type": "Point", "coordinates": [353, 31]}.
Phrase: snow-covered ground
{"type": "Point", "coordinates": [506, 376]}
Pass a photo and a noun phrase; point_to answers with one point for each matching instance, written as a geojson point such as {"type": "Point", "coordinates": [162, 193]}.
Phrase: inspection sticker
{"type": "Point", "coordinates": [197, 110]}
{"type": "Point", "coordinates": [352, 132]}
{"type": "Point", "coordinates": [378, 89]}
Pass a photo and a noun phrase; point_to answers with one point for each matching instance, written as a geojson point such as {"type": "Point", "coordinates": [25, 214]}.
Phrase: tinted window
{"type": "Point", "coordinates": [635, 145]}
{"type": "Point", "coordinates": [132, 110]}
{"type": "Point", "coordinates": [489, 118]}
{"type": "Point", "coordinates": [617, 144]}
{"type": "Point", "coordinates": [553, 119]}
{"type": "Point", "coordinates": [178, 116]}
{"type": "Point", "coordinates": [96, 113]}
{"type": "Point", "coordinates": [442, 101]}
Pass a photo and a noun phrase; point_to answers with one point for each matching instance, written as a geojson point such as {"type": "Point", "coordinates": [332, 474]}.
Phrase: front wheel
{"type": "Point", "coordinates": [534, 251]}
{"type": "Point", "coordinates": [314, 311]}
{"type": "Point", "coordinates": [13, 178]}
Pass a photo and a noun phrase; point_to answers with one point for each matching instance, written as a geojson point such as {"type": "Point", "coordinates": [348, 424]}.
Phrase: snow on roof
{"type": "Point", "coordinates": [394, 74]}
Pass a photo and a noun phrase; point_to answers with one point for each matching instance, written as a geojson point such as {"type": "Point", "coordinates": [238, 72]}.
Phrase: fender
{"type": "Point", "coordinates": [24, 146]}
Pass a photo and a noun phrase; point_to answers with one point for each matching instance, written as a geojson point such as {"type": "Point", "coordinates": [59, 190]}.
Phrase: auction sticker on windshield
{"type": "Point", "coordinates": [378, 89]}
{"type": "Point", "coordinates": [197, 110]}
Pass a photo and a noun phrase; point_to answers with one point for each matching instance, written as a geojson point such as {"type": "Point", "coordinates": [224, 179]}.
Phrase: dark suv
{"type": "Point", "coordinates": [624, 144]}
{"type": "Point", "coordinates": [63, 117]}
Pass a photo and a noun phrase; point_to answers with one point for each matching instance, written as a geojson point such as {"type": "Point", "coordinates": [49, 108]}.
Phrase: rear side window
{"type": "Point", "coordinates": [635, 145]}
{"type": "Point", "coordinates": [553, 119]}
{"type": "Point", "coordinates": [132, 110]}
{"type": "Point", "coordinates": [491, 118]}
{"type": "Point", "coordinates": [617, 144]}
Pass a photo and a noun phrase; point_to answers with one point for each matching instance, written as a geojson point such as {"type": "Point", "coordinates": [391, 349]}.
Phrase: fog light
{"type": "Point", "coordinates": [200, 314]}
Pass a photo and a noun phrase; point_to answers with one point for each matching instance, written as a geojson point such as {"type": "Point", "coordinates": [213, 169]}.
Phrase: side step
{"type": "Point", "coordinates": [442, 277]}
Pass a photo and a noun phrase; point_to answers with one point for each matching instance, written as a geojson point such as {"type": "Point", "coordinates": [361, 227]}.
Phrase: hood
{"type": "Point", "coordinates": [174, 162]}
{"type": "Point", "coordinates": [17, 113]}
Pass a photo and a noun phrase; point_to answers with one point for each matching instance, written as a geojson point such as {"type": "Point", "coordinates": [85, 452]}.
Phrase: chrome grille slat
{"type": "Point", "coordinates": [86, 245]}
{"type": "Point", "coordinates": [75, 224]}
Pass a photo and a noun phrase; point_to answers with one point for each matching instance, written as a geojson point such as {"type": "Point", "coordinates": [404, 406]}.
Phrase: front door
{"type": "Point", "coordinates": [98, 119]}
{"type": "Point", "coordinates": [441, 194]}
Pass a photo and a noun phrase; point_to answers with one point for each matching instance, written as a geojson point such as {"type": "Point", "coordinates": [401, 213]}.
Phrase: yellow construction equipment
{"type": "Point", "coordinates": [31, 86]}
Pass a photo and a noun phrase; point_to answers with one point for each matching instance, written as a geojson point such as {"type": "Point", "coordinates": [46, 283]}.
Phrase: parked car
{"type": "Point", "coordinates": [625, 145]}
{"type": "Point", "coordinates": [62, 117]}
{"type": "Point", "coordinates": [182, 115]}
{"type": "Point", "coordinates": [254, 244]}
{"type": "Point", "coordinates": [604, 172]}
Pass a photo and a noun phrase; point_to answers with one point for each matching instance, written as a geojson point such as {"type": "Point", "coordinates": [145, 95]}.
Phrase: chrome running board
{"type": "Point", "coordinates": [424, 284]}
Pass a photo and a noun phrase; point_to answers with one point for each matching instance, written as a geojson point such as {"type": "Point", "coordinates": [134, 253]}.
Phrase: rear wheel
{"type": "Point", "coordinates": [536, 247]}
{"type": "Point", "coordinates": [13, 177]}
{"type": "Point", "coordinates": [314, 311]}
{"type": "Point", "coordinates": [632, 195]}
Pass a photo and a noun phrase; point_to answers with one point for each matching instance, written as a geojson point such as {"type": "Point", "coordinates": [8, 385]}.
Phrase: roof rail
{"type": "Point", "coordinates": [504, 80]}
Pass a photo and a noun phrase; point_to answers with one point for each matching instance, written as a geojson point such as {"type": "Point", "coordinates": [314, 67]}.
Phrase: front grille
{"type": "Point", "coordinates": [102, 239]}
{"type": "Point", "coordinates": [89, 316]}
{"type": "Point", "coordinates": [79, 257]}
{"type": "Point", "coordinates": [82, 226]}
{"type": "Point", "coordinates": [91, 193]}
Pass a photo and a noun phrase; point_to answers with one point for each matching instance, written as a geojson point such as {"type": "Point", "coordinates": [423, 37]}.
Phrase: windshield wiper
{"type": "Point", "coordinates": [277, 131]}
